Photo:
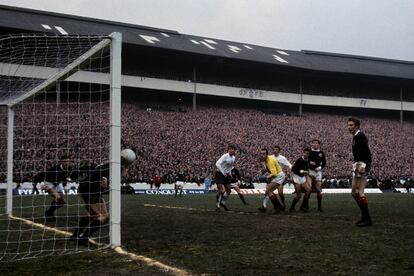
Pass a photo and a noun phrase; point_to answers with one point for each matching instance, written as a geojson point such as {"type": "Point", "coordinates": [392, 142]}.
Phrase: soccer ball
{"type": "Point", "coordinates": [128, 156]}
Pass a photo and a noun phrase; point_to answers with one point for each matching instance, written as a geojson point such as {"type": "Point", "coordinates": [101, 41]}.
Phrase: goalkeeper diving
{"type": "Point", "coordinates": [93, 183]}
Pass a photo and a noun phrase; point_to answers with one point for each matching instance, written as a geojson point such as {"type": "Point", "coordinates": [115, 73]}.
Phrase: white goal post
{"type": "Point", "coordinates": [62, 97]}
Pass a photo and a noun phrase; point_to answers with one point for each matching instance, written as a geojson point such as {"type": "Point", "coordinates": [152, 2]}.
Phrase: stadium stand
{"type": "Point", "coordinates": [172, 142]}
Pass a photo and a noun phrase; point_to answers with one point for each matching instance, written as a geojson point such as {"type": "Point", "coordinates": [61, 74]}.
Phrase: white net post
{"type": "Point", "coordinates": [115, 141]}
{"type": "Point", "coordinates": [10, 130]}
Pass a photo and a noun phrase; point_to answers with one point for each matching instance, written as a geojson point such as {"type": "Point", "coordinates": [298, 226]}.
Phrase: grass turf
{"type": "Point", "coordinates": [194, 237]}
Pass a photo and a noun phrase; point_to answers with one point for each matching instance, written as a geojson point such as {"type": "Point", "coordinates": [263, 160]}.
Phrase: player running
{"type": "Point", "coordinates": [299, 171]}
{"type": "Point", "coordinates": [53, 179]}
{"type": "Point", "coordinates": [274, 177]}
{"type": "Point", "coordinates": [286, 167]}
{"type": "Point", "coordinates": [93, 183]}
{"type": "Point", "coordinates": [223, 176]}
{"type": "Point", "coordinates": [360, 168]}
{"type": "Point", "coordinates": [316, 165]}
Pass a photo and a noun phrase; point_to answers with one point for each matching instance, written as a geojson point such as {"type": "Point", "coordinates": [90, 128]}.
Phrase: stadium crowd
{"type": "Point", "coordinates": [186, 144]}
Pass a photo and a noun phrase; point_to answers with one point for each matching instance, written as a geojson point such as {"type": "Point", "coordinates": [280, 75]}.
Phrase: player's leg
{"type": "Point", "coordinates": [84, 220]}
{"type": "Point", "coordinates": [219, 195]}
{"type": "Point", "coordinates": [99, 215]}
{"type": "Point", "coordinates": [318, 186]}
{"type": "Point", "coordinates": [270, 196]}
{"type": "Point", "coordinates": [298, 195]}
{"type": "Point", "coordinates": [225, 196]}
{"type": "Point", "coordinates": [281, 194]}
{"type": "Point", "coordinates": [280, 180]}
{"type": "Point", "coordinates": [358, 188]}
{"type": "Point", "coordinates": [58, 201]}
{"type": "Point", "coordinates": [306, 186]}
{"type": "Point", "coordinates": [181, 187]}
{"type": "Point", "coordinates": [237, 189]}
{"type": "Point", "coordinates": [266, 199]}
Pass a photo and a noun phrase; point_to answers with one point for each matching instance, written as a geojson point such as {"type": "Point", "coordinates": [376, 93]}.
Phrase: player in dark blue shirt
{"type": "Point", "coordinates": [299, 172]}
{"type": "Point", "coordinates": [360, 169]}
{"type": "Point", "coordinates": [317, 162]}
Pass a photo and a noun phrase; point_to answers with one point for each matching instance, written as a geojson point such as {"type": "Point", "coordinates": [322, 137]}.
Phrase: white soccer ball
{"type": "Point", "coordinates": [128, 156]}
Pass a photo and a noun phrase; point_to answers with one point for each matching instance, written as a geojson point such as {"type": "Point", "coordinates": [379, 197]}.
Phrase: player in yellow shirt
{"type": "Point", "coordinates": [274, 177]}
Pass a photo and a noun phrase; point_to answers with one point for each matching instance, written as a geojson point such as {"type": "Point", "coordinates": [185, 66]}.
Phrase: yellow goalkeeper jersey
{"type": "Point", "coordinates": [272, 165]}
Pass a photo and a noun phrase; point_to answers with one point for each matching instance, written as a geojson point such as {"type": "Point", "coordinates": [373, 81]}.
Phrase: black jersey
{"type": "Point", "coordinates": [235, 175]}
{"type": "Point", "coordinates": [318, 157]}
{"type": "Point", "coordinates": [360, 148]}
{"type": "Point", "coordinates": [90, 181]}
{"type": "Point", "coordinates": [82, 172]}
{"type": "Point", "coordinates": [54, 175]}
{"type": "Point", "coordinates": [181, 177]}
{"type": "Point", "coordinates": [300, 165]}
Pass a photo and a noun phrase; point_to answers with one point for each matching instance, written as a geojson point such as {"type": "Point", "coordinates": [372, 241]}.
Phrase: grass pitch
{"type": "Point", "coordinates": [186, 232]}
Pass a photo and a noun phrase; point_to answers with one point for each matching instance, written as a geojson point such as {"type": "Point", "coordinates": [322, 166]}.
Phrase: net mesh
{"type": "Point", "coordinates": [58, 128]}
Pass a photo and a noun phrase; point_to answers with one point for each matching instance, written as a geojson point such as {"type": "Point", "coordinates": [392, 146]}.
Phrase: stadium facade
{"type": "Point", "coordinates": [194, 69]}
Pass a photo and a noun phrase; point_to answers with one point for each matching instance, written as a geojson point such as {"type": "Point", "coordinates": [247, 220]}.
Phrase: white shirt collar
{"type": "Point", "coordinates": [358, 131]}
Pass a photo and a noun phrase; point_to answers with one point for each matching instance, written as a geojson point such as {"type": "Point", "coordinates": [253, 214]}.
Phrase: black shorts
{"type": "Point", "coordinates": [221, 179]}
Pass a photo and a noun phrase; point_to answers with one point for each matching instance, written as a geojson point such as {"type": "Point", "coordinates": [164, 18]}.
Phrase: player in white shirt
{"type": "Point", "coordinates": [223, 176]}
{"type": "Point", "coordinates": [286, 167]}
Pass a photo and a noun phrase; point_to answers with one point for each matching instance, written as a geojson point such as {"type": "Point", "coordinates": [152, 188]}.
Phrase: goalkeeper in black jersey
{"type": "Point", "coordinates": [93, 183]}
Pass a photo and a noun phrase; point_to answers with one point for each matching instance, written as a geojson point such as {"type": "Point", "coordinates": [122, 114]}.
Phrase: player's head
{"type": "Point", "coordinates": [64, 161]}
{"type": "Point", "coordinates": [315, 144]}
{"type": "Point", "coordinates": [276, 150]}
{"type": "Point", "coordinates": [353, 125]}
{"type": "Point", "coordinates": [264, 153]}
{"type": "Point", "coordinates": [306, 153]}
{"type": "Point", "coordinates": [231, 149]}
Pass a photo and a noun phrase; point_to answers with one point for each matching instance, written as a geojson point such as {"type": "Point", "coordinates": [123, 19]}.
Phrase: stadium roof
{"type": "Point", "coordinates": [28, 20]}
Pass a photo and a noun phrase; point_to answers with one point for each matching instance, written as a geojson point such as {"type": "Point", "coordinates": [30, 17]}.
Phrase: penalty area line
{"type": "Point", "coordinates": [146, 260]}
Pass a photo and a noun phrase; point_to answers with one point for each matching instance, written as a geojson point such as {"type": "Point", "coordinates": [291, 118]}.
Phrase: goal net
{"type": "Point", "coordinates": [59, 122]}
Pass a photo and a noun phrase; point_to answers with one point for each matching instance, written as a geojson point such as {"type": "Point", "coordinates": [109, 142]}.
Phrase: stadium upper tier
{"type": "Point", "coordinates": [26, 20]}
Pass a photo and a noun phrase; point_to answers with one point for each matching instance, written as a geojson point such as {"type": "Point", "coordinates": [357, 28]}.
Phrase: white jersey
{"type": "Point", "coordinates": [225, 163]}
{"type": "Point", "coordinates": [283, 162]}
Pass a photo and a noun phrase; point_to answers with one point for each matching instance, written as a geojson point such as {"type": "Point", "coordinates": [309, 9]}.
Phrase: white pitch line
{"type": "Point", "coordinates": [148, 261]}
{"type": "Point", "coordinates": [152, 262]}
{"type": "Point", "coordinates": [194, 209]}
{"type": "Point", "coordinates": [39, 225]}
{"type": "Point", "coordinates": [177, 207]}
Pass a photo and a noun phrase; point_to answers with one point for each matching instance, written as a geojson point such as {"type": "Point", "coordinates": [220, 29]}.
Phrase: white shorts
{"type": "Point", "coordinates": [316, 174]}
{"type": "Point", "coordinates": [179, 184]}
{"type": "Point", "coordinates": [299, 179]}
{"type": "Point", "coordinates": [358, 169]}
{"type": "Point", "coordinates": [278, 179]}
{"type": "Point", "coordinates": [59, 188]}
